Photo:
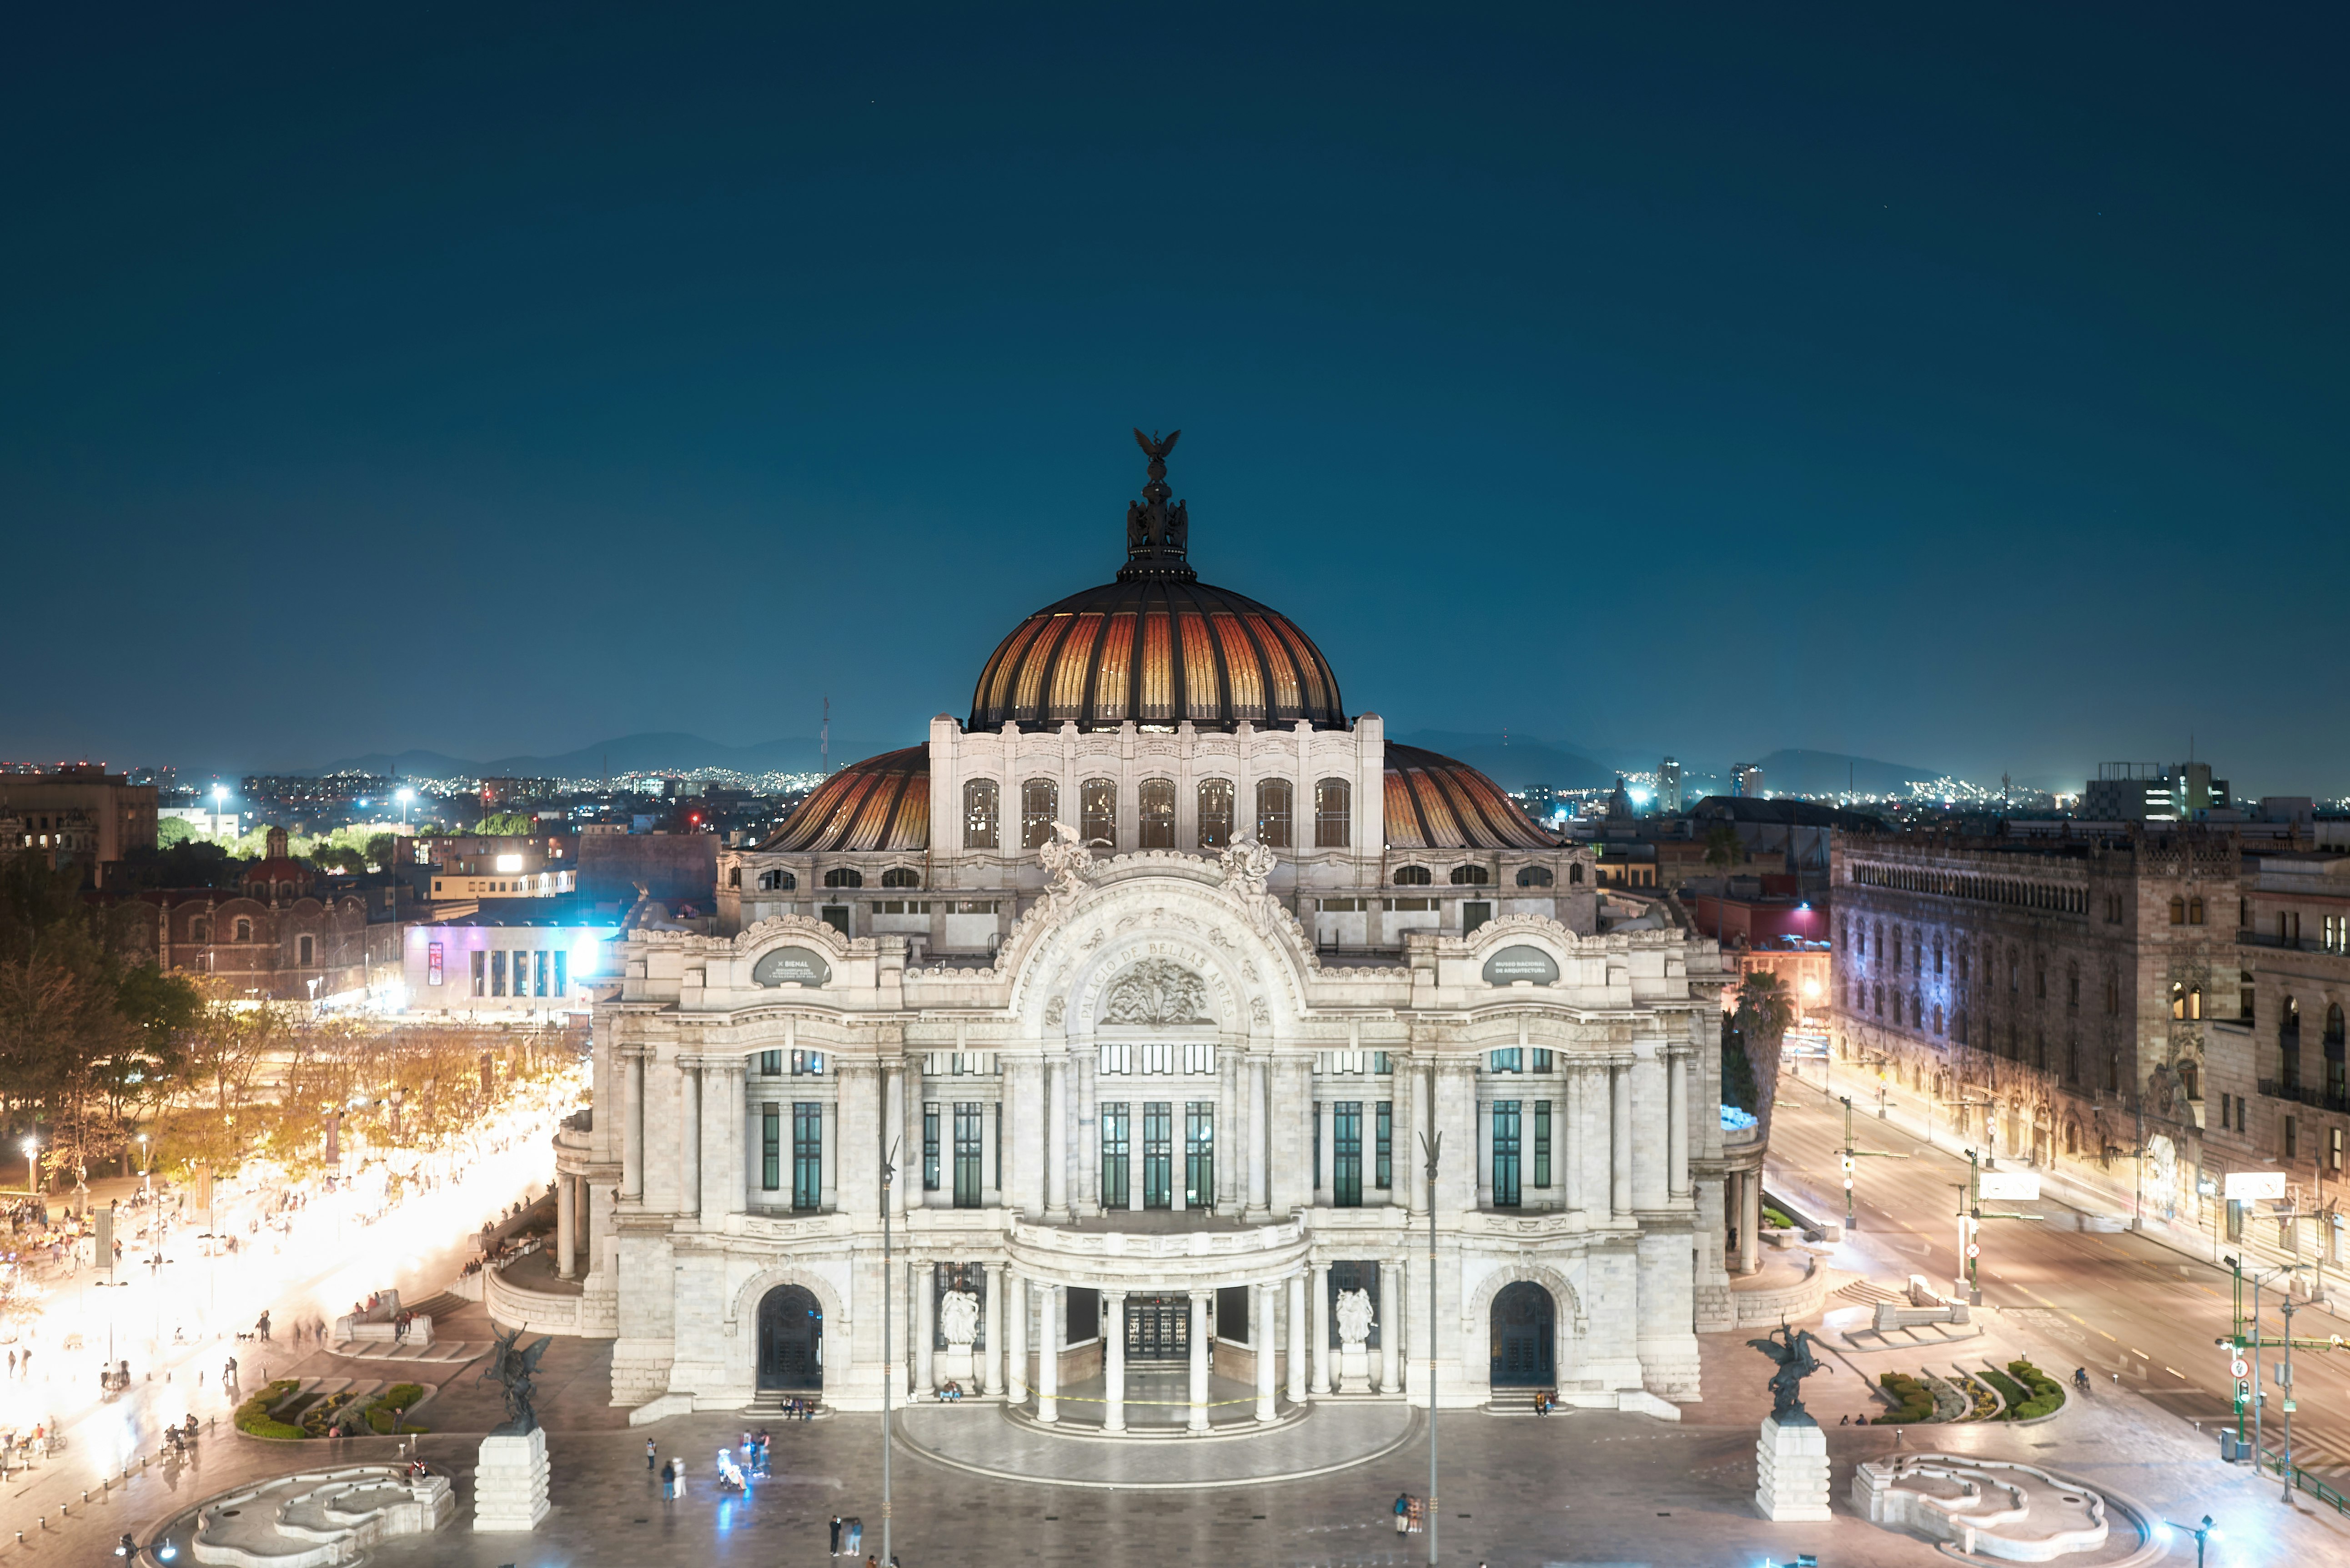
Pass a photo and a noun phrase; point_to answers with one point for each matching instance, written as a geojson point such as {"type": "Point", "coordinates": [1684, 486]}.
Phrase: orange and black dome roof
{"type": "Point", "coordinates": [882, 802]}
{"type": "Point", "coordinates": [1435, 802]}
{"type": "Point", "coordinates": [1156, 645]}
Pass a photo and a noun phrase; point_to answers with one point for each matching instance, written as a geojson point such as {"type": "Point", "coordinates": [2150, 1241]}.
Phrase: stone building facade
{"type": "Point", "coordinates": [1147, 982]}
{"type": "Point", "coordinates": [2056, 996]}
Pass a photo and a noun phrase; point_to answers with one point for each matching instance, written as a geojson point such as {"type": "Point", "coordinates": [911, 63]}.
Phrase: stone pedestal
{"type": "Point", "coordinates": [1354, 1369]}
{"type": "Point", "coordinates": [1791, 1469]}
{"type": "Point", "coordinates": [510, 1481]}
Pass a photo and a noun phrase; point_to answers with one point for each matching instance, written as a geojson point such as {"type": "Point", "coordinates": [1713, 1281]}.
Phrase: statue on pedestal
{"type": "Point", "coordinates": [1791, 1349]}
{"type": "Point", "coordinates": [514, 1368]}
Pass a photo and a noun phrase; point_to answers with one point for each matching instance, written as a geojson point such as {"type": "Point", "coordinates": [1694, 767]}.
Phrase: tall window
{"type": "Point", "coordinates": [930, 1146]}
{"type": "Point", "coordinates": [1383, 1176]}
{"type": "Point", "coordinates": [970, 1136]}
{"type": "Point", "coordinates": [1200, 1154]}
{"type": "Point", "coordinates": [808, 1155]}
{"type": "Point", "coordinates": [498, 972]}
{"type": "Point", "coordinates": [771, 1148]}
{"type": "Point", "coordinates": [1334, 818]}
{"type": "Point", "coordinates": [1157, 1154]}
{"type": "Point", "coordinates": [244, 929]}
{"type": "Point", "coordinates": [1542, 1143]}
{"type": "Point", "coordinates": [1275, 804]}
{"type": "Point", "coordinates": [979, 814]}
{"type": "Point", "coordinates": [309, 950]}
{"type": "Point", "coordinates": [481, 972]}
{"type": "Point", "coordinates": [1156, 814]}
{"type": "Point", "coordinates": [1040, 808]}
{"type": "Point", "coordinates": [1506, 1154]}
{"type": "Point", "coordinates": [771, 1064]}
{"type": "Point", "coordinates": [1215, 813]}
{"type": "Point", "coordinates": [1097, 811]}
{"type": "Point", "coordinates": [1115, 1149]}
{"type": "Point", "coordinates": [1346, 1154]}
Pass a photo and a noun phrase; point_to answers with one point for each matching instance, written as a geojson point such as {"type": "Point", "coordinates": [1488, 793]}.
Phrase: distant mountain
{"type": "Point", "coordinates": [1796, 772]}
{"type": "Point", "coordinates": [628, 753]}
{"type": "Point", "coordinates": [1518, 765]}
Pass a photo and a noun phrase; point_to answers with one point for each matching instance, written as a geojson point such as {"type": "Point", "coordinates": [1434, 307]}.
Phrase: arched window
{"type": "Point", "coordinates": [1156, 814]}
{"type": "Point", "coordinates": [777, 881]}
{"type": "Point", "coordinates": [1471, 876]}
{"type": "Point", "coordinates": [200, 929]}
{"type": "Point", "coordinates": [735, 876]}
{"type": "Point", "coordinates": [979, 814]}
{"type": "Point", "coordinates": [1098, 813]}
{"type": "Point", "coordinates": [306, 952]}
{"type": "Point", "coordinates": [2195, 1002]}
{"type": "Point", "coordinates": [901, 876]}
{"type": "Point", "coordinates": [244, 929]}
{"type": "Point", "coordinates": [1412, 876]}
{"type": "Point", "coordinates": [2289, 1043]}
{"type": "Point", "coordinates": [2190, 1082]}
{"type": "Point", "coordinates": [1533, 877]}
{"type": "Point", "coordinates": [2072, 1138]}
{"type": "Point", "coordinates": [1215, 802]}
{"type": "Point", "coordinates": [2177, 1000]}
{"type": "Point", "coordinates": [1334, 815]}
{"type": "Point", "coordinates": [1275, 806]}
{"type": "Point", "coordinates": [2178, 910]}
{"type": "Point", "coordinates": [1040, 808]}
{"type": "Point", "coordinates": [2195, 911]}
{"type": "Point", "coordinates": [844, 877]}
{"type": "Point", "coordinates": [2244, 995]}
{"type": "Point", "coordinates": [1575, 873]}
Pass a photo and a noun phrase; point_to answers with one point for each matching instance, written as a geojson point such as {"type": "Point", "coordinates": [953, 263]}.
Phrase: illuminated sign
{"type": "Point", "coordinates": [2246, 1186]}
{"type": "Point", "coordinates": [2010, 1184]}
{"type": "Point", "coordinates": [791, 966]}
{"type": "Point", "coordinates": [432, 963]}
{"type": "Point", "coordinates": [1511, 965]}
{"type": "Point", "coordinates": [509, 863]}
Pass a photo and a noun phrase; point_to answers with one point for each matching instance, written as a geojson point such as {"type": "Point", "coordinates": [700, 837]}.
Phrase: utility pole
{"type": "Point", "coordinates": [2284, 1381]}
{"type": "Point", "coordinates": [889, 1367]}
{"type": "Point", "coordinates": [1851, 1153]}
{"type": "Point", "coordinates": [1433, 1148]}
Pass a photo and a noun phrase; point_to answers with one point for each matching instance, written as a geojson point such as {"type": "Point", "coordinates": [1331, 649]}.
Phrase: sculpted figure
{"type": "Point", "coordinates": [1354, 1319]}
{"type": "Point", "coordinates": [959, 1318]}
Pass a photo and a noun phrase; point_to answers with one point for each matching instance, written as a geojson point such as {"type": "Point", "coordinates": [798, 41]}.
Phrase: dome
{"type": "Point", "coordinates": [1437, 803]}
{"type": "Point", "coordinates": [882, 803]}
{"type": "Point", "coordinates": [1156, 645]}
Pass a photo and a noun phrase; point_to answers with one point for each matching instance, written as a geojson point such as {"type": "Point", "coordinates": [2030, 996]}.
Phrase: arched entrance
{"type": "Point", "coordinates": [791, 1339]}
{"type": "Point", "coordinates": [1525, 1335]}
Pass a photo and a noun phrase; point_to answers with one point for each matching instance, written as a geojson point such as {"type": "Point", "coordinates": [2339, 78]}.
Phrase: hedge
{"type": "Point", "coordinates": [2047, 1394]}
{"type": "Point", "coordinates": [1916, 1401]}
{"type": "Point", "coordinates": [253, 1417]}
{"type": "Point", "coordinates": [399, 1395]}
{"type": "Point", "coordinates": [2009, 1388]}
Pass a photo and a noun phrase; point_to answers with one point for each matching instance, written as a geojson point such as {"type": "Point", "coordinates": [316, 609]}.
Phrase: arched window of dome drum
{"type": "Point", "coordinates": [901, 876]}
{"type": "Point", "coordinates": [979, 814]}
{"type": "Point", "coordinates": [1471, 876]}
{"type": "Point", "coordinates": [1040, 808]}
{"type": "Point", "coordinates": [1276, 807]}
{"type": "Point", "coordinates": [844, 877]}
{"type": "Point", "coordinates": [1534, 877]}
{"type": "Point", "coordinates": [1155, 813]}
{"type": "Point", "coordinates": [1215, 813]}
{"type": "Point", "coordinates": [1412, 876]}
{"type": "Point", "coordinates": [1334, 815]}
{"type": "Point", "coordinates": [1097, 813]}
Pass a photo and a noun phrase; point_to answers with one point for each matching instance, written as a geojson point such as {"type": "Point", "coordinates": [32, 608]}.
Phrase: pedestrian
{"type": "Point", "coordinates": [651, 1461]}
{"type": "Point", "coordinates": [669, 1481]}
{"type": "Point", "coordinates": [835, 1548]}
{"type": "Point", "coordinates": [1403, 1513]}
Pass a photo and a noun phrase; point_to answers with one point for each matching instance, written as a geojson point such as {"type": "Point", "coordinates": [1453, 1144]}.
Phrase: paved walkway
{"type": "Point", "coordinates": [982, 1440]}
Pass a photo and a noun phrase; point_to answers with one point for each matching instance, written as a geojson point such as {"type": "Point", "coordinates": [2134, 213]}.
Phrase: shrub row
{"type": "Point", "coordinates": [253, 1417]}
{"type": "Point", "coordinates": [2047, 1394]}
{"type": "Point", "coordinates": [399, 1397]}
{"type": "Point", "coordinates": [1914, 1399]}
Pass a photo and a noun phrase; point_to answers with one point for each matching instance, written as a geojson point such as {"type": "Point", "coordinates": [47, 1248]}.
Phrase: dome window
{"type": "Point", "coordinates": [1471, 876]}
{"type": "Point", "coordinates": [1276, 807]}
{"type": "Point", "coordinates": [1040, 808]}
{"type": "Point", "coordinates": [1097, 813]}
{"type": "Point", "coordinates": [1157, 814]}
{"type": "Point", "coordinates": [1334, 816]}
{"type": "Point", "coordinates": [1534, 877]}
{"type": "Point", "coordinates": [901, 876]}
{"type": "Point", "coordinates": [979, 814]}
{"type": "Point", "coordinates": [844, 877]}
{"type": "Point", "coordinates": [1215, 813]}
{"type": "Point", "coordinates": [1412, 876]}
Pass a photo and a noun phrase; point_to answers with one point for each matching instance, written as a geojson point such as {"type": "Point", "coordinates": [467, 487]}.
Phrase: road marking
{"type": "Point", "coordinates": [2133, 1350]}
{"type": "Point", "coordinates": [2176, 1373]}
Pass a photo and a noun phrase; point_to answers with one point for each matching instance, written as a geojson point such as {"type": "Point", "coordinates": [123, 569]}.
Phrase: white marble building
{"type": "Point", "coordinates": [1153, 975]}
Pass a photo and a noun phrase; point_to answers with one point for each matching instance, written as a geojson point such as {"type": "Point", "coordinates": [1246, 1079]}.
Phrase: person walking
{"type": "Point", "coordinates": [1403, 1513]}
{"type": "Point", "coordinates": [668, 1482]}
{"type": "Point", "coordinates": [833, 1549]}
{"type": "Point", "coordinates": [855, 1526]}
{"type": "Point", "coordinates": [652, 1459]}
{"type": "Point", "coordinates": [263, 1325]}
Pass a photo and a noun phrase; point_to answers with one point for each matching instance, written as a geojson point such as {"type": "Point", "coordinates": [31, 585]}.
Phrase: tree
{"type": "Point", "coordinates": [1765, 1014]}
{"type": "Point", "coordinates": [380, 848]}
{"type": "Point", "coordinates": [170, 832]}
{"type": "Point", "coordinates": [1723, 847]}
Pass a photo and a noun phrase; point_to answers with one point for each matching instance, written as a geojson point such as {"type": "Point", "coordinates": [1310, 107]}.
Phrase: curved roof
{"type": "Point", "coordinates": [1434, 802]}
{"type": "Point", "coordinates": [881, 804]}
{"type": "Point", "coordinates": [1157, 648]}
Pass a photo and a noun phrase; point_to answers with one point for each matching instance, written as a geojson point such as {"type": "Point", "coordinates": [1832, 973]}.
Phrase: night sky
{"type": "Point", "coordinates": [1965, 390]}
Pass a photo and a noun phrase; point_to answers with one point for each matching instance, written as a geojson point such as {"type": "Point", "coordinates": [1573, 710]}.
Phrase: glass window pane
{"type": "Point", "coordinates": [1216, 814]}
{"type": "Point", "coordinates": [1333, 821]}
{"type": "Point", "coordinates": [1275, 809]}
{"type": "Point", "coordinates": [979, 814]}
{"type": "Point", "coordinates": [1040, 806]}
{"type": "Point", "coordinates": [1097, 813]}
{"type": "Point", "coordinates": [1156, 815]}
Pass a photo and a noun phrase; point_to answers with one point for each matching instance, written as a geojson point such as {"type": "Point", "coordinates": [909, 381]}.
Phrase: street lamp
{"type": "Point", "coordinates": [146, 1169]}
{"type": "Point", "coordinates": [405, 797]}
{"type": "Point", "coordinates": [2202, 1533]}
{"type": "Point", "coordinates": [1432, 1147]}
{"type": "Point", "coordinates": [33, 1167]}
{"type": "Point", "coordinates": [888, 1370]}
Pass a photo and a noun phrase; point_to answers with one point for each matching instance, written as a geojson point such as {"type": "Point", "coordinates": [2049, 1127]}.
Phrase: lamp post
{"type": "Point", "coordinates": [406, 795]}
{"type": "Point", "coordinates": [33, 1166]}
{"type": "Point", "coordinates": [888, 1368]}
{"type": "Point", "coordinates": [2202, 1533]}
{"type": "Point", "coordinates": [1433, 1148]}
{"type": "Point", "coordinates": [2284, 1381]}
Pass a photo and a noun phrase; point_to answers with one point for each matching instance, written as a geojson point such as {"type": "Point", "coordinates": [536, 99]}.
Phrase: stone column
{"type": "Point", "coordinates": [1749, 1222]}
{"type": "Point", "coordinates": [911, 1180]}
{"type": "Point", "coordinates": [1049, 1319]}
{"type": "Point", "coordinates": [1571, 1149]}
{"type": "Point", "coordinates": [924, 1317]}
{"type": "Point", "coordinates": [566, 1224]}
{"type": "Point", "coordinates": [1297, 1338]}
{"type": "Point", "coordinates": [1015, 1338]}
{"type": "Point", "coordinates": [1057, 1138]}
{"type": "Point", "coordinates": [1113, 1331]}
{"type": "Point", "coordinates": [1677, 1120]}
{"type": "Point", "coordinates": [1261, 1330]}
{"type": "Point", "coordinates": [1619, 1097]}
{"type": "Point", "coordinates": [1260, 1181]}
{"type": "Point", "coordinates": [633, 1125]}
{"type": "Point", "coordinates": [1317, 1323]}
{"type": "Point", "coordinates": [893, 1132]}
{"type": "Point", "coordinates": [858, 1168]}
{"type": "Point", "coordinates": [722, 1139]}
{"type": "Point", "coordinates": [1199, 1417]}
{"type": "Point", "coordinates": [1598, 1156]}
{"type": "Point", "coordinates": [990, 1363]}
{"type": "Point", "coordinates": [689, 1139]}
{"type": "Point", "coordinates": [1391, 1316]}
{"type": "Point", "coordinates": [1325, 1150]}
{"type": "Point", "coordinates": [988, 1158]}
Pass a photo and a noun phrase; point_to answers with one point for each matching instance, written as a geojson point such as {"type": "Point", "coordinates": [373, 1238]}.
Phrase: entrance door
{"type": "Point", "coordinates": [1157, 1154]}
{"type": "Point", "coordinates": [791, 1339]}
{"type": "Point", "coordinates": [1524, 1332]}
{"type": "Point", "coordinates": [1158, 1328]}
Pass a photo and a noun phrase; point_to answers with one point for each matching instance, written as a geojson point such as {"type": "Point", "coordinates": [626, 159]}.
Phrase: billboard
{"type": "Point", "coordinates": [2247, 1186]}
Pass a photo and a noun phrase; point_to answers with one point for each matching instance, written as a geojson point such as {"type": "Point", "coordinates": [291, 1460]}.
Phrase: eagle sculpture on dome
{"type": "Point", "coordinates": [1154, 530]}
{"type": "Point", "coordinates": [1157, 450]}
